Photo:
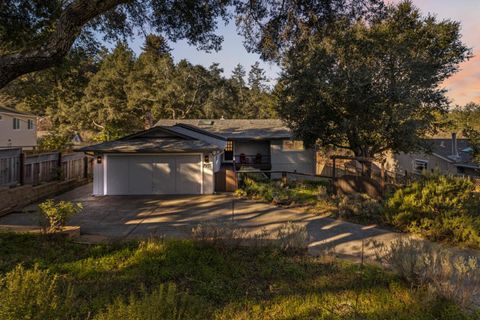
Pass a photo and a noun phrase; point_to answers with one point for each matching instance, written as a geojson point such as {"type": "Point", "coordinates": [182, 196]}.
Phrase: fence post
{"type": "Point", "coordinates": [85, 167]}
{"type": "Point", "coordinates": [382, 178]}
{"type": "Point", "coordinates": [59, 166]}
{"type": "Point", "coordinates": [284, 178]}
{"type": "Point", "coordinates": [21, 171]}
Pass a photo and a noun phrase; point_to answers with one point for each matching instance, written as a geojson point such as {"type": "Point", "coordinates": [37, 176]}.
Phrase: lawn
{"type": "Point", "coordinates": [185, 280]}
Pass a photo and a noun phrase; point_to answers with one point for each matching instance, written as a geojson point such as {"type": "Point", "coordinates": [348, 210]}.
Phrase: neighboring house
{"type": "Point", "coordinates": [195, 156]}
{"type": "Point", "coordinates": [17, 129]}
{"type": "Point", "coordinates": [449, 156]}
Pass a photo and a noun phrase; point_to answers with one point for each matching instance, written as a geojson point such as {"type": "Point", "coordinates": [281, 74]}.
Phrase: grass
{"type": "Point", "coordinates": [134, 280]}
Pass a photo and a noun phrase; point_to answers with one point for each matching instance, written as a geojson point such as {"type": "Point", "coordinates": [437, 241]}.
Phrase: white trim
{"type": "Point", "coordinates": [104, 164]}
{"type": "Point", "coordinates": [414, 165]}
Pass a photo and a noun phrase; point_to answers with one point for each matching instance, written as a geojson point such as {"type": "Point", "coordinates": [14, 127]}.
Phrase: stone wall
{"type": "Point", "coordinates": [17, 198]}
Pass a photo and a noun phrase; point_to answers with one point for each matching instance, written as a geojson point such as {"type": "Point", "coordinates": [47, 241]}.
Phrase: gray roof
{"type": "Point", "coordinates": [237, 128]}
{"type": "Point", "coordinates": [151, 145]}
{"type": "Point", "coordinates": [443, 148]}
{"type": "Point", "coordinates": [10, 110]}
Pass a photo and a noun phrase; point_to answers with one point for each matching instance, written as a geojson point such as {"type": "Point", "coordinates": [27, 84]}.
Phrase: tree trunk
{"type": "Point", "coordinates": [57, 46]}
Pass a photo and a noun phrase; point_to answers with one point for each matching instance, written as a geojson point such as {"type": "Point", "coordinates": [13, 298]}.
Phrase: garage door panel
{"type": "Point", "coordinates": [140, 176]}
{"type": "Point", "coordinates": [189, 175]}
{"type": "Point", "coordinates": [159, 174]}
{"type": "Point", "coordinates": [117, 176]}
{"type": "Point", "coordinates": [164, 176]}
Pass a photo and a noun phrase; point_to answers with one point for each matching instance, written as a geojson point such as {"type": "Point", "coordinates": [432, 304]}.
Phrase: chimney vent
{"type": "Point", "coordinates": [454, 146]}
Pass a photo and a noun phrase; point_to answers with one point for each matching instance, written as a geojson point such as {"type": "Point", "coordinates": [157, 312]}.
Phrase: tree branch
{"type": "Point", "coordinates": [56, 47]}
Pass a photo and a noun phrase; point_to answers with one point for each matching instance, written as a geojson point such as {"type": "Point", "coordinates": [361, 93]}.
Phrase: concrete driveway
{"type": "Point", "coordinates": [131, 217]}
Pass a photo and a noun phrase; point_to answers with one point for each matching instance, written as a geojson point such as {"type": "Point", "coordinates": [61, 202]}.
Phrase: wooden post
{"type": "Point", "coordinates": [21, 171]}
{"type": "Point", "coordinates": [85, 167]}
{"type": "Point", "coordinates": [59, 166]}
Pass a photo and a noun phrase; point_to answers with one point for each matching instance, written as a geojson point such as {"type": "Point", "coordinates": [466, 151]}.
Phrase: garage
{"type": "Point", "coordinates": [154, 174]}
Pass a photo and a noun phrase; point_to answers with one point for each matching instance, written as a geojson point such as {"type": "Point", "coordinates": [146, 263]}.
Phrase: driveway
{"type": "Point", "coordinates": [131, 217]}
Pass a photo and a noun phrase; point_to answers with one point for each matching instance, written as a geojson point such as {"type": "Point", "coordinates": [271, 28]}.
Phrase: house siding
{"type": "Point", "coordinates": [21, 138]}
{"type": "Point", "coordinates": [403, 162]}
{"type": "Point", "coordinates": [302, 161]}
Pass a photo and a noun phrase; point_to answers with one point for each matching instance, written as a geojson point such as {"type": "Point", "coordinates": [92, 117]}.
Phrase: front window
{"type": "Point", "coordinates": [293, 145]}
{"type": "Point", "coordinates": [16, 123]}
{"type": "Point", "coordinates": [228, 154]}
{"type": "Point", "coordinates": [419, 166]}
{"type": "Point", "coordinates": [30, 124]}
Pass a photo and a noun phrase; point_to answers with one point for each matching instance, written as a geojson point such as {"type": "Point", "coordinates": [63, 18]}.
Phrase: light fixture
{"type": "Point", "coordinates": [99, 159]}
{"type": "Point", "coordinates": [207, 159]}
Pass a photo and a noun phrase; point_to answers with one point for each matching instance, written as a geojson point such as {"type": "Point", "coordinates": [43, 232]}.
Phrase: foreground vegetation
{"type": "Point", "coordinates": [46, 278]}
{"type": "Point", "coordinates": [437, 207]}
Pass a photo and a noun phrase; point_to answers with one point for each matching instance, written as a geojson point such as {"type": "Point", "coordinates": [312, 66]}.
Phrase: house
{"type": "Point", "coordinates": [195, 156]}
{"type": "Point", "coordinates": [17, 129]}
{"type": "Point", "coordinates": [449, 156]}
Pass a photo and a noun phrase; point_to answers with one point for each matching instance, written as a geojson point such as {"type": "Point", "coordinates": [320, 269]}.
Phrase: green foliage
{"type": "Point", "coordinates": [224, 283]}
{"type": "Point", "coordinates": [342, 87]}
{"type": "Point", "coordinates": [163, 303]}
{"type": "Point", "coordinates": [273, 191]}
{"type": "Point", "coordinates": [438, 207]}
{"type": "Point", "coordinates": [34, 294]}
{"type": "Point", "coordinates": [55, 142]}
{"type": "Point", "coordinates": [58, 213]}
{"type": "Point", "coordinates": [360, 208]}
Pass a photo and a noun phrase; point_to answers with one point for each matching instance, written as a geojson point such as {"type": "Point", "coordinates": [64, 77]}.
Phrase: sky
{"type": "Point", "coordinates": [462, 87]}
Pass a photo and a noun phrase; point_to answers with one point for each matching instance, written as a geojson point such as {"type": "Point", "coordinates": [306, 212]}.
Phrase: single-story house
{"type": "Point", "coordinates": [198, 156]}
{"type": "Point", "coordinates": [449, 156]}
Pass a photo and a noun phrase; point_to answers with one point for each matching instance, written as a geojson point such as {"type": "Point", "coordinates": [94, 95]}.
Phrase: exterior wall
{"type": "Point", "coordinates": [23, 137]}
{"type": "Point", "coordinates": [302, 161]}
{"type": "Point", "coordinates": [404, 162]}
{"type": "Point", "coordinates": [208, 176]}
{"type": "Point", "coordinates": [98, 178]}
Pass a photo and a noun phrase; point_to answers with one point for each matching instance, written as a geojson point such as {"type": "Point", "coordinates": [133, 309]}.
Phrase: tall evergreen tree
{"type": "Point", "coordinates": [105, 104]}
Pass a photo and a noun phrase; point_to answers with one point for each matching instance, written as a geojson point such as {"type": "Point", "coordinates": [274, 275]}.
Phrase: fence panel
{"type": "Point", "coordinates": [9, 167]}
{"type": "Point", "coordinates": [42, 167]}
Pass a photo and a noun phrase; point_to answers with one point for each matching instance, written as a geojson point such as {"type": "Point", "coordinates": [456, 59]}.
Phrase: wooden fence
{"type": "Point", "coordinates": [17, 168]}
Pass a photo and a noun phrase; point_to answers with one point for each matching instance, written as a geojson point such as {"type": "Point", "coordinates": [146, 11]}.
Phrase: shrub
{"type": "Point", "coordinates": [360, 208]}
{"type": "Point", "coordinates": [292, 237]}
{"type": "Point", "coordinates": [34, 294]}
{"type": "Point", "coordinates": [423, 263]}
{"type": "Point", "coordinates": [163, 303]}
{"type": "Point", "coordinates": [438, 207]}
{"type": "Point", "coordinates": [58, 213]}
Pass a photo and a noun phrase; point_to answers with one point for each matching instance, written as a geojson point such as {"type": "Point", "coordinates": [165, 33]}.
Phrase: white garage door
{"type": "Point", "coordinates": [173, 174]}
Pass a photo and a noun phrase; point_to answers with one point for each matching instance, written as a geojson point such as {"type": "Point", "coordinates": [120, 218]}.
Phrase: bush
{"type": "Point", "coordinates": [360, 208]}
{"type": "Point", "coordinates": [423, 263]}
{"type": "Point", "coordinates": [439, 208]}
{"type": "Point", "coordinates": [163, 303]}
{"type": "Point", "coordinates": [34, 294]}
{"type": "Point", "coordinates": [294, 192]}
{"type": "Point", "coordinates": [292, 237]}
{"type": "Point", "coordinates": [58, 213]}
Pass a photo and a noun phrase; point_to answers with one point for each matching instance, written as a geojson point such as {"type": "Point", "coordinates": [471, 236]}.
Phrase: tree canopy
{"type": "Point", "coordinates": [36, 35]}
{"type": "Point", "coordinates": [371, 86]}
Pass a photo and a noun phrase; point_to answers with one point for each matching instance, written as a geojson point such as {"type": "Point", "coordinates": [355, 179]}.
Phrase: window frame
{"type": "Point", "coordinates": [16, 123]}
{"type": "Point", "coordinates": [30, 124]}
{"type": "Point", "coordinates": [229, 148]}
{"type": "Point", "coordinates": [416, 163]}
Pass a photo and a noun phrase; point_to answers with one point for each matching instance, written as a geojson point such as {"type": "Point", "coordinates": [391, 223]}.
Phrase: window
{"type": "Point", "coordinates": [419, 166]}
{"type": "Point", "coordinates": [228, 154]}
{"type": "Point", "coordinates": [292, 145]}
{"type": "Point", "coordinates": [16, 123]}
{"type": "Point", "coordinates": [30, 124]}
{"type": "Point", "coordinates": [1, 117]}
